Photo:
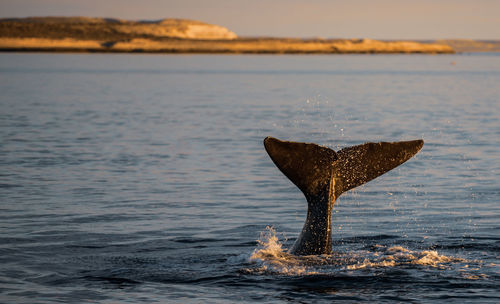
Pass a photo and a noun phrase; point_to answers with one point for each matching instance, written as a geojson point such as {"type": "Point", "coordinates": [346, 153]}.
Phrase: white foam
{"type": "Point", "coordinates": [270, 256]}
{"type": "Point", "coordinates": [397, 256]}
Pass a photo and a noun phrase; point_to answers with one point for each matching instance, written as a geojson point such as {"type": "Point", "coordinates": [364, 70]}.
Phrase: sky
{"type": "Point", "coordinates": [376, 19]}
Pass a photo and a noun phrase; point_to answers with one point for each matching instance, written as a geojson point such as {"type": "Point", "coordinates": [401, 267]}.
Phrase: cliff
{"type": "Point", "coordinates": [84, 28]}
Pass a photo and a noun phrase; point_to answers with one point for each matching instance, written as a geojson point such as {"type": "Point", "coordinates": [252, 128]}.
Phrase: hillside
{"type": "Point", "coordinates": [84, 28]}
{"type": "Point", "coordinates": [84, 34]}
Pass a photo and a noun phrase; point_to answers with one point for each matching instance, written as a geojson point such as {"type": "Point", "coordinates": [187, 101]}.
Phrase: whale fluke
{"type": "Point", "coordinates": [323, 175]}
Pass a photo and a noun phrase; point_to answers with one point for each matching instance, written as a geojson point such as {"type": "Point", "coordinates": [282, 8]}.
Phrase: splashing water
{"type": "Point", "coordinates": [399, 256]}
{"type": "Point", "coordinates": [270, 257]}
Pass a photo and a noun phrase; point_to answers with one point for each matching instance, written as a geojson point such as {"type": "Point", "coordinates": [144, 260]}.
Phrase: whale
{"type": "Point", "coordinates": [323, 174]}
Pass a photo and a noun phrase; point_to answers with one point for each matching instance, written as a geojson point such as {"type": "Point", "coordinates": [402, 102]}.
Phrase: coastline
{"type": "Point", "coordinates": [171, 36]}
{"type": "Point", "coordinates": [233, 46]}
{"type": "Point", "coordinates": [182, 36]}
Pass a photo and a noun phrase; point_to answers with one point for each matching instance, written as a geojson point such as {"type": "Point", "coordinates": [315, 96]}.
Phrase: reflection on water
{"type": "Point", "coordinates": [144, 179]}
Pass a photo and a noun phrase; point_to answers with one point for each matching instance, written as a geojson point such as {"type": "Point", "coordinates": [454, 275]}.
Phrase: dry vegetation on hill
{"type": "Point", "coordinates": [83, 34]}
{"type": "Point", "coordinates": [84, 28]}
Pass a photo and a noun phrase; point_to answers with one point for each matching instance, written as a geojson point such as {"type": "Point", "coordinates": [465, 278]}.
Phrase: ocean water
{"type": "Point", "coordinates": [143, 178]}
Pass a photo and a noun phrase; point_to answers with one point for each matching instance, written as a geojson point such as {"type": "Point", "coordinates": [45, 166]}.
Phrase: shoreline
{"type": "Point", "coordinates": [206, 52]}
{"type": "Point", "coordinates": [234, 46]}
{"type": "Point", "coordinates": [182, 36]}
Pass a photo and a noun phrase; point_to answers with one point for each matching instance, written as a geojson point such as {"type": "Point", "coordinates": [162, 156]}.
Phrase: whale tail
{"type": "Point", "coordinates": [323, 175]}
{"type": "Point", "coordinates": [315, 169]}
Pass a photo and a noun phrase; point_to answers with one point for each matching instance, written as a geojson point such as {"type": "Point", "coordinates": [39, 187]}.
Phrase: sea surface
{"type": "Point", "coordinates": [143, 178]}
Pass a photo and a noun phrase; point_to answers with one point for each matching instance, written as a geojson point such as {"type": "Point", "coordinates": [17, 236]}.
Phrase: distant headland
{"type": "Point", "coordinates": [84, 34]}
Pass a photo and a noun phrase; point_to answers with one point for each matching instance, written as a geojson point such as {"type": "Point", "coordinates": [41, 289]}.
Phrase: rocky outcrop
{"type": "Point", "coordinates": [101, 28]}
